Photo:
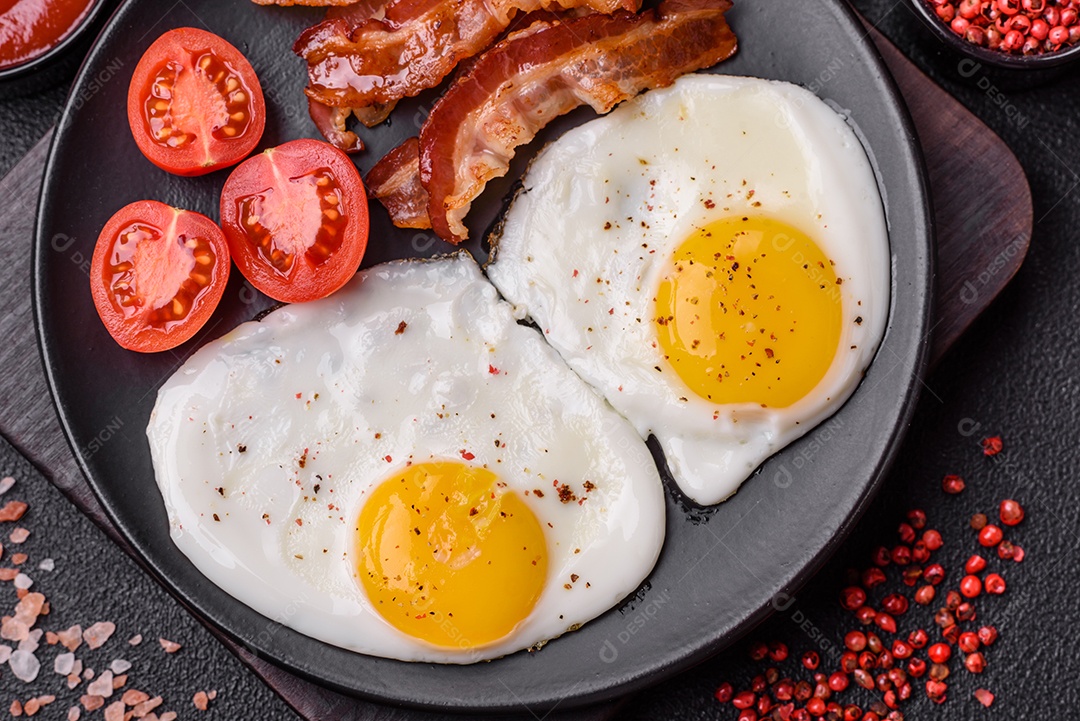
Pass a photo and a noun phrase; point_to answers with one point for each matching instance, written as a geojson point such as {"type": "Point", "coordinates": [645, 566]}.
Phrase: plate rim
{"type": "Point", "coordinates": [924, 238]}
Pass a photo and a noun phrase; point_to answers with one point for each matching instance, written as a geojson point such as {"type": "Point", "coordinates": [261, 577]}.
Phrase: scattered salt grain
{"type": "Point", "coordinates": [99, 633]}
{"type": "Point", "coordinates": [119, 681]}
{"type": "Point", "coordinates": [201, 701]}
{"type": "Point", "coordinates": [16, 708]}
{"type": "Point", "coordinates": [88, 674]}
{"type": "Point", "coordinates": [134, 697]}
{"type": "Point", "coordinates": [91, 703]}
{"type": "Point", "coordinates": [135, 640]}
{"type": "Point", "coordinates": [115, 712]}
{"type": "Point", "coordinates": [140, 710]}
{"type": "Point", "coordinates": [74, 713]}
{"type": "Point", "coordinates": [5, 654]}
{"type": "Point", "coordinates": [13, 629]}
{"type": "Point", "coordinates": [13, 511]}
{"type": "Point", "coordinates": [64, 664]}
{"type": "Point", "coordinates": [47, 565]}
{"type": "Point", "coordinates": [5, 484]}
{"type": "Point", "coordinates": [120, 666]}
{"type": "Point", "coordinates": [169, 646]}
{"type": "Point", "coordinates": [168, 716]}
{"type": "Point", "coordinates": [31, 642]}
{"type": "Point", "coordinates": [102, 685]}
{"type": "Point", "coordinates": [24, 665]}
{"type": "Point", "coordinates": [212, 694]}
{"type": "Point", "coordinates": [36, 704]}
{"type": "Point", "coordinates": [23, 581]}
{"type": "Point", "coordinates": [73, 680]}
{"type": "Point", "coordinates": [19, 535]}
{"type": "Point", "coordinates": [71, 638]}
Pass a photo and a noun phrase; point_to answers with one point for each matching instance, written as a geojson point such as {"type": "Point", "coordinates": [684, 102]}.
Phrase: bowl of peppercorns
{"type": "Point", "coordinates": [1018, 34]}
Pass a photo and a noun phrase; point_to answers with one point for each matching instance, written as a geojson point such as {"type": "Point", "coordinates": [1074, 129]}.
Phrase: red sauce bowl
{"type": "Point", "coordinates": [43, 40]}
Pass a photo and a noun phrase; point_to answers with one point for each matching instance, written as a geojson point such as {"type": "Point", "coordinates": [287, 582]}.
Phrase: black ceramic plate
{"type": "Point", "coordinates": [722, 569]}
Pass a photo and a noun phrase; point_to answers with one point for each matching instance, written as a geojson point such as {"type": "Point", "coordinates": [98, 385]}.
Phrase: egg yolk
{"type": "Point", "coordinates": [448, 556]}
{"type": "Point", "coordinates": [749, 311]}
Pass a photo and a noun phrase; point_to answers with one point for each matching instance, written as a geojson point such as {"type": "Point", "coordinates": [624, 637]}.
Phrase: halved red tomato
{"type": "Point", "coordinates": [157, 274]}
{"type": "Point", "coordinates": [194, 103]}
{"type": "Point", "coordinates": [296, 219]}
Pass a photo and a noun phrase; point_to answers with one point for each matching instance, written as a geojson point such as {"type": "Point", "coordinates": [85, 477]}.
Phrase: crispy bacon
{"type": "Point", "coordinates": [524, 82]}
{"type": "Point", "coordinates": [395, 182]}
{"type": "Point", "coordinates": [412, 47]}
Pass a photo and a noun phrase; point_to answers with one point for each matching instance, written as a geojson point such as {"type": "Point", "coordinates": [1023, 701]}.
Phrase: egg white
{"type": "Point", "coordinates": [412, 361]}
{"type": "Point", "coordinates": [584, 246]}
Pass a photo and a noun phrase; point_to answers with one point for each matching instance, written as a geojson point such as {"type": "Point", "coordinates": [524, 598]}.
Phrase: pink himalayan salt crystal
{"type": "Point", "coordinates": [99, 633]}
{"type": "Point", "coordinates": [24, 665]}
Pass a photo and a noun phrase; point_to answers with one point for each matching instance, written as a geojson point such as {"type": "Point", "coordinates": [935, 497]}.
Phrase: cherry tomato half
{"type": "Point", "coordinates": [157, 274]}
{"type": "Point", "coordinates": [194, 104]}
{"type": "Point", "coordinates": [296, 219]}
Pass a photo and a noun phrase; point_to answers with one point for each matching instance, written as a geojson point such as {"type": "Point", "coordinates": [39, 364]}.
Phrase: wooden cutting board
{"type": "Point", "coordinates": [983, 218]}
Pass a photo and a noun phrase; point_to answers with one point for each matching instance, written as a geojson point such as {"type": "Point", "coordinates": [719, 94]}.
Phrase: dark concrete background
{"type": "Point", "coordinates": [1016, 373]}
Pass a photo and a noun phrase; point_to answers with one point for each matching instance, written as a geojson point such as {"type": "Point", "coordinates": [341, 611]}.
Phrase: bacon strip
{"type": "Point", "coordinates": [521, 84]}
{"type": "Point", "coordinates": [395, 182]}
{"type": "Point", "coordinates": [413, 47]}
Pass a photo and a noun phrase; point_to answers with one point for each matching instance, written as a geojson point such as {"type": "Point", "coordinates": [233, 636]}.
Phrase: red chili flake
{"type": "Point", "coordinates": [995, 584]}
{"type": "Point", "coordinates": [906, 532]}
{"type": "Point", "coordinates": [886, 622]}
{"type": "Point", "coordinates": [901, 555]}
{"type": "Point", "coordinates": [865, 615]}
{"type": "Point", "coordinates": [917, 519]}
{"type": "Point", "coordinates": [932, 539]}
{"type": "Point", "coordinates": [388, 459]}
{"type": "Point", "coordinates": [987, 635]}
{"type": "Point", "coordinates": [873, 577]}
{"type": "Point", "coordinates": [911, 575]}
{"type": "Point", "coordinates": [939, 653]}
{"type": "Point", "coordinates": [811, 661]}
{"type": "Point", "coordinates": [968, 642]}
{"type": "Point", "coordinates": [952, 483]}
{"type": "Point", "coordinates": [855, 641]}
{"type": "Point", "coordinates": [934, 573]}
{"type": "Point", "coordinates": [984, 697]}
{"type": "Point", "coordinates": [299, 521]}
{"type": "Point", "coordinates": [744, 699]}
{"type": "Point", "coordinates": [1011, 512]}
{"type": "Point", "coordinates": [990, 536]}
{"type": "Point", "coordinates": [838, 682]}
{"type": "Point", "coordinates": [952, 600]}
{"type": "Point", "coordinates": [724, 692]}
{"type": "Point", "coordinates": [1006, 549]}
{"type": "Point", "coordinates": [493, 370]}
{"type": "Point", "coordinates": [970, 586]}
{"type": "Point", "coordinates": [575, 273]}
{"type": "Point", "coordinates": [975, 564]}
{"type": "Point", "coordinates": [895, 604]}
{"type": "Point", "coordinates": [852, 597]}
{"type": "Point", "coordinates": [299, 395]}
{"type": "Point", "coordinates": [936, 689]}
{"type": "Point", "coordinates": [991, 446]}
{"type": "Point", "coordinates": [466, 455]}
{"type": "Point", "coordinates": [881, 557]}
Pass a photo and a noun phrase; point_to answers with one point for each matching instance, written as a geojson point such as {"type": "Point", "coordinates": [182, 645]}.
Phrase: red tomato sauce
{"type": "Point", "coordinates": [30, 28]}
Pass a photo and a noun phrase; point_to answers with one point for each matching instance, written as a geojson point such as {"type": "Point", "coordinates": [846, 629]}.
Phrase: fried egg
{"type": "Point", "coordinates": [713, 258]}
{"type": "Point", "coordinates": [403, 470]}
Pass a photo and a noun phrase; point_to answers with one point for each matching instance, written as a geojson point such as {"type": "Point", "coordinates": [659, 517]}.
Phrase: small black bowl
{"type": "Point", "coordinates": [59, 61]}
{"type": "Point", "coordinates": [1044, 63]}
